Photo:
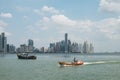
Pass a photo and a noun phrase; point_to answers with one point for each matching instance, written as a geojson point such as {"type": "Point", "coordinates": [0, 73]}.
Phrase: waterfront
{"type": "Point", "coordinates": [46, 67]}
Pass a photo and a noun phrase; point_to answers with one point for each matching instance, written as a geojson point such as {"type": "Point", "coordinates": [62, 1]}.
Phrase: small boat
{"type": "Point", "coordinates": [25, 56]}
{"type": "Point", "coordinates": [71, 63]}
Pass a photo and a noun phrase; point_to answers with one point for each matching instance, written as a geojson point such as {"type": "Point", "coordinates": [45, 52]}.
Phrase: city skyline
{"type": "Point", "coordinates": [63, 46]}
{"type": "Point", "coordinates": [46, 21]}
{"type": "Point", "coordinates": [67, 46]}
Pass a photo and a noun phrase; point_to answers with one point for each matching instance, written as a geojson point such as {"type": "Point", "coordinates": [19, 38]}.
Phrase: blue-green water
{"type": "Point", "coordinates": [46, 67]}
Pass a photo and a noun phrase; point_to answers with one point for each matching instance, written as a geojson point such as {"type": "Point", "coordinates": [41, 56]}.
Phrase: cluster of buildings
{"type": "Point", "coordinates": [64, 46]}
{"type": "Point", "coordinates": [26, 48]}
{"type": "Point", "coordinates": [4, 47]}
{"type": "Point", "coordinates": [68, 47]}
{"type": "Point", "coordinates": [10, 48]}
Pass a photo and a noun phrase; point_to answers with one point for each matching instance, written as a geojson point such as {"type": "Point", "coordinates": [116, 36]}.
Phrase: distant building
{"type": "Point", "coordinates": [80, 48]}
{"type": "Point", "coordinates": [63, 46]}
{"type": "Point", "coordinates": [3, 43]}
{"type": "Point", "coordinates": [18, 50]}
{"type": "Point", "coordinates": [75, 47]}
{"type": "Point", "coordinates": [91, 48]}
{"type": "Point", "coordinates": [69, 46]}
{"type": "Point", "coordinates": [26, 48]}
{"type": "Point", "coordinates": [42, 50]}
{"type": "Point", "coordinates": [51, 48]}
{"type": "Point", "coordinates": [88, 48]}
{"type": "Point", "coordinates": [66, 42]}
{"type": "Point", "coordinates": [36, 50]}
{"type": "Point", "coordinates": [30, 45]}
{"type": "Point", "coordinates": [30, 42]}
{"type": "Point", "coordinates": [85, 47]}
{"type": "Point", "coordinates": [10, 48]}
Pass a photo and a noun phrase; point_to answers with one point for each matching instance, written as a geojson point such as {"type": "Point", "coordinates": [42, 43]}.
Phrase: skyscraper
{"type": "Point", "coordinates": [3, 43]}
{"type": "Point", "coordinates": [30, 42]}
{"type": "Point", "coordinates": [91, 48]}
{"type": "Point", "coordinates": [0, 43]}
{"type": "Point", "coordinates": [30, 45]}
{"type": "Point", "coordinates": [66, 43]}
{"type": "Point", "coordinates": [3, 35]}
{"type": "Point", "coordinates": [85, 47]}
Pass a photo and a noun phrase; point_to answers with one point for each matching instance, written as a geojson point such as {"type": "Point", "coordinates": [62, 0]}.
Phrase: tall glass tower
{"type": "Point", "coordinates": [66, 42]}
{"type": "Point", "coordinates": [30, 42]}
{"type": "Point", "coordinates": [3, 43]}
{"type": "Point", "coordinates": [85, 47]}
{"type": "Point", "coordinates": [30, 45]}
{"type": "Point", "coordinates": [0, 43]}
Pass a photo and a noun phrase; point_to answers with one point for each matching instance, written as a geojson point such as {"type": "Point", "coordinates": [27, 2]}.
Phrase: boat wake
{"type": "Point", "coordinates": [100, 62]}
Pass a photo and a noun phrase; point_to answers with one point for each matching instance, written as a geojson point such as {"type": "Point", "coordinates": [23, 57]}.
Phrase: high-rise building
{"type": "Point", "coordinates": [11, 48]}
{"type": "Point", "coordinates": [0, 43]}
{"type": "Point", "coordinates": [52, 47]}
{"type": "Point", "coordinates": [30, 45]}
{"type": "Point", "coordinates": [24, 48]}
{"type": "Point", "coordinates": [3, 43]}
{"type": "Point", "coordinates": [85, 47]}
{"type": "Point", "coordinates": [3, 39]}
{"type": "Point", "coordinates": [42, 49]}
{"type": "Point", "coordinates": [69, 46]}
{"type": "Point", "coordinates": [80, 48]}
{"type": "Point", "coordinates": [66, 42]}
{"type": "Point", "coordinates": [30, 42]}
{"type": "Point", "coordinates": [91, 48]}
{"type": "Point", "coordinates": [75, 47]}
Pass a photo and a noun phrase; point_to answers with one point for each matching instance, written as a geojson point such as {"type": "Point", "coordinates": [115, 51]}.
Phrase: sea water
{"type": "Point", "coordinates": [46, 67]}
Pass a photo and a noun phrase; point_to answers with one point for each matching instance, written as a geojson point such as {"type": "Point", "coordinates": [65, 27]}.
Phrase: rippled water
{"type": "Point", "coordinates": [46, 67]}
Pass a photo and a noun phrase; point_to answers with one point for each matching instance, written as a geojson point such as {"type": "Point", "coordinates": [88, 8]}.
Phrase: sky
{"type": "Point", "coordinates": [47, 21]}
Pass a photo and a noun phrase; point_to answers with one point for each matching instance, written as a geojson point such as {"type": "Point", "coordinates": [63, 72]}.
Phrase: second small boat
{"type": "Point", "coordinates": [26, 56]}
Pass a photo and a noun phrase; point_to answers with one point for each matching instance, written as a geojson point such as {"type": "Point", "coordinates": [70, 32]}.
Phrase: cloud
{"type": "Point", "coordinates": [3, 26]}
{"type": "Point", "coordinates": [110, 27]}
{"type": "Point", "coordinates": [43, 24]}
{"type": "Point", "coordinates": [50, 10]}
{"type": "Point", "coordinates": [46, 19]}
{"type": "Point", "coordinates": [65, 24]}
{"type": "Point", "coordinates": [37, 11]}
{"type": "Point", "coordinates": [107, 28]}
{"type": "Point", "coordinates": [63, 20]}
{"type": "Point", "coordinates": [6, 15]}
{"type": "Point", "coordinates": [110, 6]}
{"type": "Point", "coordinates": [1, 29]}
{"type": "Point", "coordinates": [45, 10]}
{"type": "Point", "coordinates": [60, 24]}
{"type": "Point", "coordinates": [44, 28]}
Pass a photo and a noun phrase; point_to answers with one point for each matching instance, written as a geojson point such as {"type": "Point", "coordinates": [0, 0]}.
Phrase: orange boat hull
{"type": "Point", "coordinates": [71, 63]}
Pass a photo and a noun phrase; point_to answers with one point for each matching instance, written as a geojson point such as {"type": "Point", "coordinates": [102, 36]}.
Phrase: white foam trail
{"type": "Point", "coordinates": [100, 62]}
